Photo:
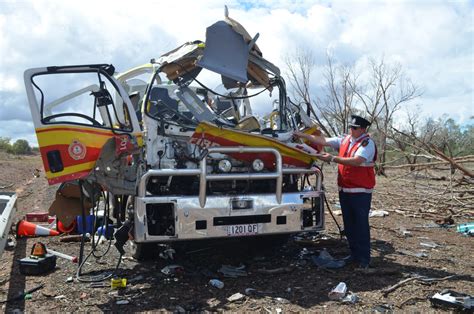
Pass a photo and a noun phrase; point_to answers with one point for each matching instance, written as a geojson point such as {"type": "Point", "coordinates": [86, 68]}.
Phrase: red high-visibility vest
{"type": "Point", "coordinates": [355, 179]}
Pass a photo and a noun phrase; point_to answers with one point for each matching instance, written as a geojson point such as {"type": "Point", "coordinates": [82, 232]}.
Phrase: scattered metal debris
{"type": "Point", "coordinates": [414, 254]}
{"type": "Point", "coordinates": [232, 271]}
{"type": "Point", "coordinates": [171, 270]}
{"type": "Point", "coordinates": [430, 244]}
{"type": "Point", "coordinates": [216, 283]}
{"type": "Point", "coordinates": [350, 298]}
{"type": "Point", "coordinates": [168, 254]}
{"type": "Point", "coordinates": [338, 292]}
{"type": "Point", "coordinates": [452, 299]}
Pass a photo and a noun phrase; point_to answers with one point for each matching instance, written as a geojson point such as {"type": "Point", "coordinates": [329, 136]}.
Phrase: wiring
{"type": "Point", "coordinates": [82, 260]}
{"type": "Point", "coordinates": [218, 94]}
{"type": "Point", "coordinates": [332, 215]}
{"type": "Point", "coordinates": [306, 179]}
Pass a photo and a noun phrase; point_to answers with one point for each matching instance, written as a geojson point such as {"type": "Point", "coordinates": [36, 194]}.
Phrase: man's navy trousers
{"type": "Point", "coordinates": [355, 213]}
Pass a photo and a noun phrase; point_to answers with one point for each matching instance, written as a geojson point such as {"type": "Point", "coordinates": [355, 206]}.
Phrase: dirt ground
{"type": "Point", "coordinates": [281, 273]}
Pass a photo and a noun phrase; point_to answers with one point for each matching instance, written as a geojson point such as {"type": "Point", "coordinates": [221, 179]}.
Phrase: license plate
{"type": "Point", "coordinates": [239, 230]}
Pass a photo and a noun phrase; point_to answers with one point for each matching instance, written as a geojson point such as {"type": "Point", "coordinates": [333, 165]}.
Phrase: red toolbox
{"type": "Point", "coordinates": [37, 217]}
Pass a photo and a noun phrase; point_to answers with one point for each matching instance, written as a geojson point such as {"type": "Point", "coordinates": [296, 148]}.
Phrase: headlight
{"type": "Point", "coordinates": [257, 165]}
{"type": "Point", "coordinates": [224, 165]}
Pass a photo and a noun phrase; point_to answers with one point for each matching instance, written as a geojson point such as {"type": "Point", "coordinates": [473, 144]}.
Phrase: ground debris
{"type": "Point", "coordinates": [309, 284]}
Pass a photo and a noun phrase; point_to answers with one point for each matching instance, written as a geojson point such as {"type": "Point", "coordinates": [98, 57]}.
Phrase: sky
{"type": "Point", "coordinates": [432, 40]}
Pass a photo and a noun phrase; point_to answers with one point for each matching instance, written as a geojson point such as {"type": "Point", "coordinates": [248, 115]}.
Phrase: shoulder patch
{"type": "Point", "coordinates": [365, 142]}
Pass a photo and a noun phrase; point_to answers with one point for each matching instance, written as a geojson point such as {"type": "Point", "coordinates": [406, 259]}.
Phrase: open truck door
{"type": "Point", "coordinates": [75, 114]}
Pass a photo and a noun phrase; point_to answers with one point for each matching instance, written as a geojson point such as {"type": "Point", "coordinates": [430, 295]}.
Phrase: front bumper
{"type": "Point", "coordinates": [167, 219]}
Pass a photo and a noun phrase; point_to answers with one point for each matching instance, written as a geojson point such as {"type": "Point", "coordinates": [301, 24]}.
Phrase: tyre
{"type": "Point", "coordinates": [143, 251]}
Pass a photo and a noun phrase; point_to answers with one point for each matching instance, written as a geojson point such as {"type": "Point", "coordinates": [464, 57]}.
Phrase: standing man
{"type": "Point", "coordinates": [356, 180]}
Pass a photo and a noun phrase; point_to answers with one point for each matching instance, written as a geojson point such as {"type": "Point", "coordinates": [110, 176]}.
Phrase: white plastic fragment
{"type": "Point", "coordinates": [235, 297]}
{"type": "Point", "coordinates": [378, 213]}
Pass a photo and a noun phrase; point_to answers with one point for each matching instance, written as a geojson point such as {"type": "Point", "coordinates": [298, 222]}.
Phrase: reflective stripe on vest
{"type": "Point", "coordinates": [355, 190]}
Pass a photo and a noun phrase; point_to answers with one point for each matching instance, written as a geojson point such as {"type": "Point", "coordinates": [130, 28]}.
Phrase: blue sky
{"type": "Point", "coordinates": [432, 40]}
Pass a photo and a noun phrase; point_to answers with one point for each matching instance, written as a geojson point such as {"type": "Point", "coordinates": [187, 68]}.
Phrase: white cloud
{"type": "Point", "coordinates": [433, 41]}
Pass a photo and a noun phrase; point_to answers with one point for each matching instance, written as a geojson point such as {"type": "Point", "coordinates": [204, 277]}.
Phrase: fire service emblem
{"type": "Point", "coordinates": [77, 150]}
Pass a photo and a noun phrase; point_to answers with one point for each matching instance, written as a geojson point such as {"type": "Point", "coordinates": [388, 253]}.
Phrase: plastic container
{"type": "Point", "coordinates": [338, 292]}
{"type": "Point", "coordinates": [90, 219]}
{"type": "Point", "coordinates": [216, 283]}
{"type": "Point", "coordinates": [106, 231]}
{"type": "Point", "coordinates": [465, 227]}
{"type": "Point", "coordinates": [117, 283]}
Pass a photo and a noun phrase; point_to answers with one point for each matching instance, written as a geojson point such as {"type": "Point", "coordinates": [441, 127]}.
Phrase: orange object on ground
{"type": "Point", "coordinates": [38, 249]}
{"type": "Point", "coordinates": [66, 229]}
{"type": "Point", "coordinates": [25, 228]}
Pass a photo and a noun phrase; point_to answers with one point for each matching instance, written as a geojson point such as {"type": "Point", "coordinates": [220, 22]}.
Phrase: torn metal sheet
{"type": "Point", "coordinates": [226, 52]}
{"type": "Point", "coordinates": [7, 214]}
{"type": "Point", "coordinates": [209, 135]}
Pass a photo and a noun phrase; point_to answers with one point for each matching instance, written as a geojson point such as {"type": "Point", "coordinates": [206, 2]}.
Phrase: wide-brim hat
{"type": "Point", "coordinates": [359, 122]}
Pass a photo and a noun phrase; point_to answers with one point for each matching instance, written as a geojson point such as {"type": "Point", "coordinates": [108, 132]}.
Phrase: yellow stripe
{"type": "Point", "coordinates": [139, 137]}
{"type": "Point", "coordinates": [66, 137]}
{"type": "Point", "coordinates": [70, 170]}
{"type": "Point", "coordinates": [253, 140]}
{"type": "Point", "coordinates": [76, 127]}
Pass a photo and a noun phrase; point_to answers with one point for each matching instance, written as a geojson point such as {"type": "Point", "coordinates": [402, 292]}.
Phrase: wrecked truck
{"type": "Point", "coordinates": [183, 161]}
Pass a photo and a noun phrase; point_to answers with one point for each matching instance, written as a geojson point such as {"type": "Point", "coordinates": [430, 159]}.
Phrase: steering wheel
{"type": "Point", "coordinates": [162, 110]}
{"type": "Point", "coordinates": [73, 114]}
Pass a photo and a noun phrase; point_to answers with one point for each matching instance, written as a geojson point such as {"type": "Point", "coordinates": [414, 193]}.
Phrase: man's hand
{"type": "Point", "coordinates": [325, 157]}
{"type": "Point", "coordinates": [302, 135]}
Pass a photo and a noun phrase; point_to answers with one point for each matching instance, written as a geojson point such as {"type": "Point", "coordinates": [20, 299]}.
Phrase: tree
{"type": "Point", "coordinates": [388, 89]}
{"type": "Point", "coordinates": [300, 65]}
{"type": "Point", "coordinates": [5, 143]}
{"type": "Point", "coordinates": [21, 147]}
{"type": "Point", "coordinates": [337, 103]}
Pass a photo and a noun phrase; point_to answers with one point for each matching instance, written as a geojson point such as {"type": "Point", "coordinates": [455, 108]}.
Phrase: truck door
{"type": "Point", "coordinates": [74, 114]}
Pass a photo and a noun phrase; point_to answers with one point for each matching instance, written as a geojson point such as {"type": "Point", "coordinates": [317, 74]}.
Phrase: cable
{"type": "Point", "coordinates": [83, 260]}
{"type": "Point", "coordinates": [332, 215]}
{"type": "Point", "coordinates": [227, 96]}
{"type": "Point", "coordinates": [96, 278]}
{"type": "Point", "coordinates": [216, 93]}
{"type": "Point", "coordinates": [105, 223]}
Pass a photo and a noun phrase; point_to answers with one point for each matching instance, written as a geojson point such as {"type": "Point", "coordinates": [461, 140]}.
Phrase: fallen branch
{"type": "Point", "coordinates": [452, 162]}
{"type": "Point", "coordinates": [429, 164]}
{"type": "Point", "coordinates": [397, 285]}
{"type": "Point", "coordinates": [280, 270]}
{"type": "Point", "coordinates": [7, 186]}
{"type": "Point", "coordinates": [386, 291]}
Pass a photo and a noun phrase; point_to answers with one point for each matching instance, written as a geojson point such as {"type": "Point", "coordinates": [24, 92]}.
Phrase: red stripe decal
{"type": "Point", "coordinates": [92, 153]}
{"type": "Point", "coordinates": [68, 177]}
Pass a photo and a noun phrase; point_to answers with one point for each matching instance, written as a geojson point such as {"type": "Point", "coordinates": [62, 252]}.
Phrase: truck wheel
{"type": "Point", "coordinates": [143, 251]}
